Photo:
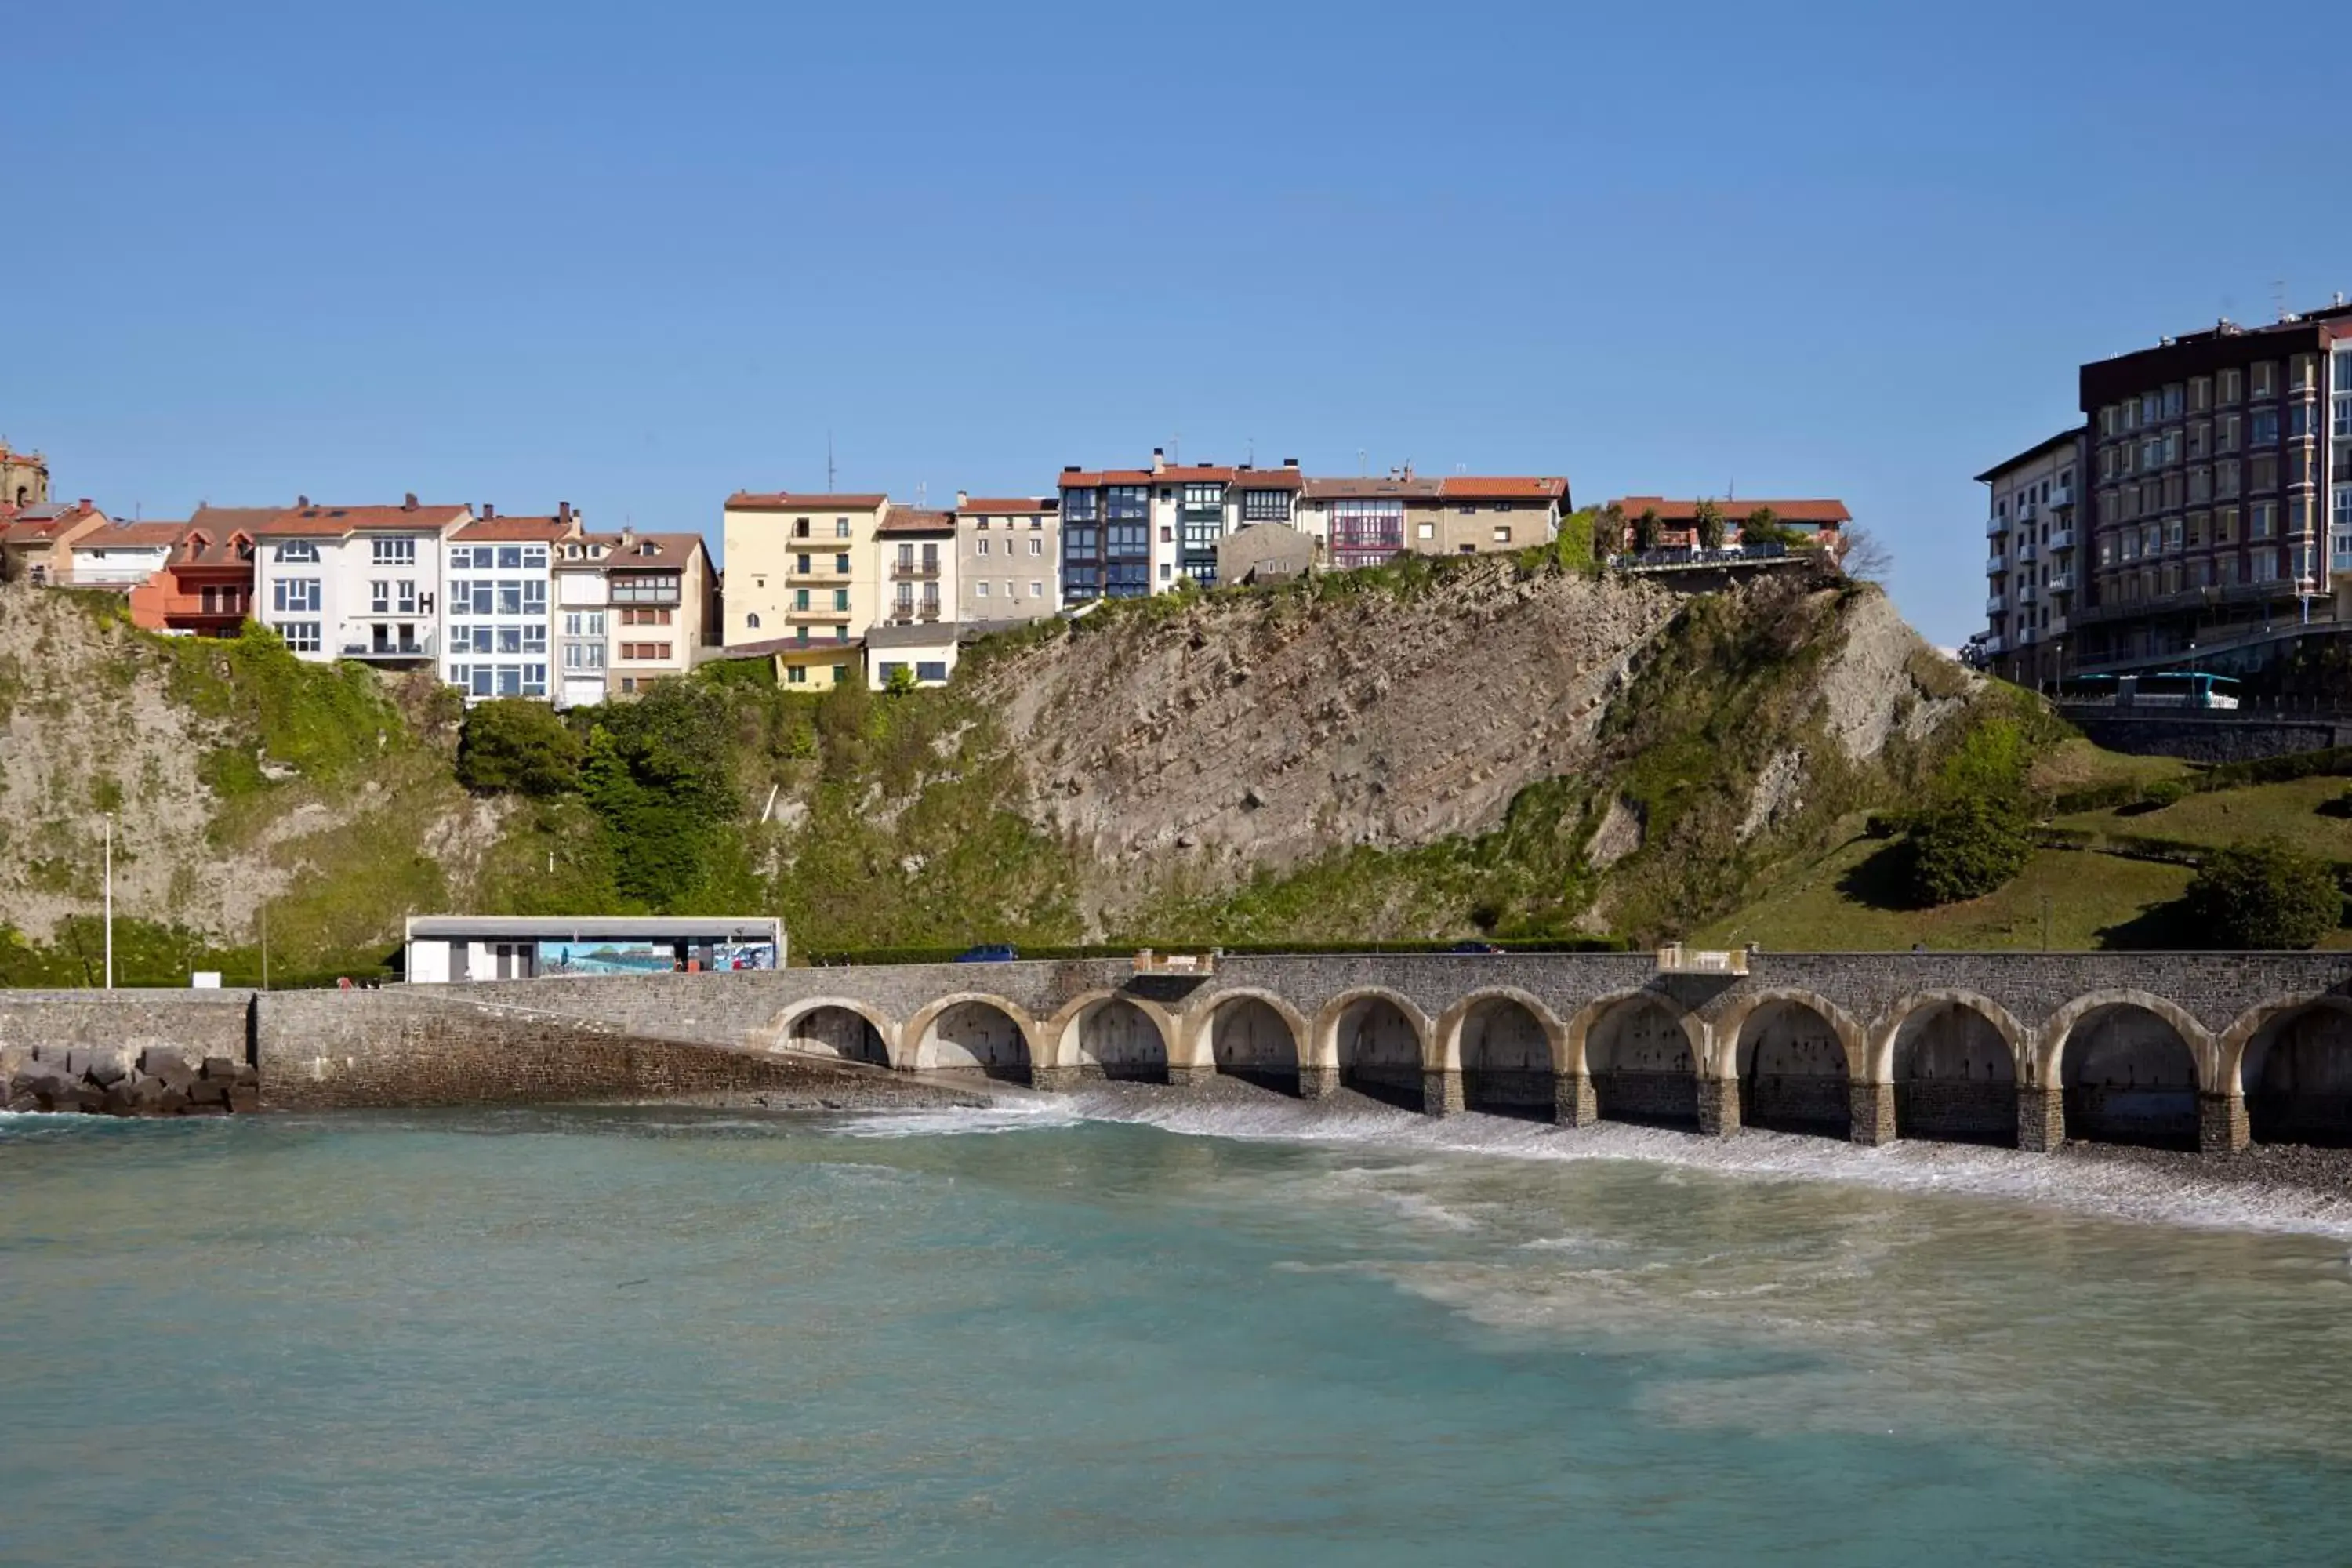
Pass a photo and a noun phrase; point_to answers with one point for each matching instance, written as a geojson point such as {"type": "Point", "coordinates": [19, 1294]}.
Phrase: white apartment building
{"type": "Point", "coordinates": [631, 608]}
{"type": "Point", "coordinates": [2031, 563]}
{"type": "Point", "coordinates": [584, 620]}
{"type": "Point", "coordinates": [359, 583]}
{"type": "Point", "coordinates": [499, 576]}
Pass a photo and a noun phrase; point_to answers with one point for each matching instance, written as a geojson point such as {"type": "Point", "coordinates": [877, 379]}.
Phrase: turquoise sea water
{"type": "Point", "coordinates": [1042, 1337]}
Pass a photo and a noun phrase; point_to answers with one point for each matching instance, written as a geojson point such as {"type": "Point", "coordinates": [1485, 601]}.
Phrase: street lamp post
{"type": "Point", "coordinates": [110, 900]}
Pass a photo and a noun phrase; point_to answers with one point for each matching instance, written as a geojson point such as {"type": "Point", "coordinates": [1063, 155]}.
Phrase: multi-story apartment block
{"type": "Point", "coordinates": [919, 628]}
{"type": "Point", "coordinates": [205, 587]}
{"type": "Point", "coordinates": [120, 555]}
{"type": "Point", "coordinates": [2032, 559]}
{"type": "Point", "coordinates": [582, 619]}
{"type": "Point", "coordinates": [357, 582]}
{"type": "Point", "coordinates": [1367, 522]}
{"type": "Point", "coordinates": [803, 571]}
{"type": "Point", "coordinates": [499, 577]}
{"type": "Point", "coordinates": [2217, 490]}
{"type": "Point", "coordinates": [1107, 535]}
{"type": "Point", "coordinates": [1008, 558]}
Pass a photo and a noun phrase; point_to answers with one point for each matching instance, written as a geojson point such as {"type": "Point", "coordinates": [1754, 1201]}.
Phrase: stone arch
{"type": "Point", "coordinates": [1252, 1035]}
{"type": "Point", "coordinates": [972, 1032]}
{"type": "Point", "coordinates": [1642, 1051]}
{"type": "Point", "coordinates": [2056, 1030]}
{"type": "Point", "coordinates": [1795, 1056]}
{"type": "Point", "coordinates": [1732, 1022]}
{"type": "Point", "coordinates": [1507, 1046]}
{"type": "Point", "coordinates": [839, 1026]}
{"type": "Point", "coordinates": [2130, 1065]}
{"type": "Point", "coordinates": [2292, 1060]}
{"type": "Point", "coordinates": [1113, 1035]}
{"type": "Point", "coordinates": [1377, 1041]}
{"type": "Point", "coordinates": [1953, 1057]}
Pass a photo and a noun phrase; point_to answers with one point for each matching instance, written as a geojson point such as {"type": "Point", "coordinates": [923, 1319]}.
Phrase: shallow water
{"type": "Point", "coordinates": [1131, 1328]}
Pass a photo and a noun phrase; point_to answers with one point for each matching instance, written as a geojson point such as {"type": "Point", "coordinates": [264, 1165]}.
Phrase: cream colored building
{"type": "Point", "coordinates": [803, 573]}
{"type": "Point", "coordinates": [631, 608]}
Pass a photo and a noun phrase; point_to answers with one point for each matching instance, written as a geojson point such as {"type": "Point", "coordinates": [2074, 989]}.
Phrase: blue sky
{"type": "Point", "coordinates": [636, 257]}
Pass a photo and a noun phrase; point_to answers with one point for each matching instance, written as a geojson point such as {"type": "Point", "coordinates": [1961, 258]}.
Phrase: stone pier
{"type": "Point", "coordinates": [1871, 1108]}
{"type": "Point", "coordinates": [2221, 1127]}
{"type": "Point", "coordinates": [1441, 1094]}
{"type": "Point", "coordinates": [2040, 1119]}
{"type": "Point", "coordinates": [1718, 1107]}
{"type": "Point", "coordinates": [1574, 1104]}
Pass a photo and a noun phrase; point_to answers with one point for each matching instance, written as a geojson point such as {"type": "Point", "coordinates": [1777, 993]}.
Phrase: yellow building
{"type": "Point", "coordinates": [804, 581]}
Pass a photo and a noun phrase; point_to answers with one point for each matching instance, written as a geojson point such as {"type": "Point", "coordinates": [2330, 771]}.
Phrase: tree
{"type": "Point", "coordinates": [1762, 527]}
{"type": "Point", "coordinates": [1968, 847]}
{"type": "Point", "coordinates": [1608, 531]}
{"type": "Point", "coordinates": [1709, 519]}
{"type": "Point", "coordinates": [900, 680]}
{"type": "Point", "coordinates": [517, 746]}
{"type": "Point", "coordinates": [1862, 555]}
{"type": "Point", "coordinates": [2264, 895]}
{"type": "Point", "coordinates": [1646, 528]}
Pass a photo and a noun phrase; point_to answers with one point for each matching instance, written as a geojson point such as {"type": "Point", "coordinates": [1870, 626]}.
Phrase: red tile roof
{"type": "Point", "coordinates": [1086, 478]}
{"type": "Point", "coordinates": [203, 549]}
{"type": "Point", "coordinates": [786, 500]}
{"type": "Point", "coordinates": [1195, 475]}
{"type": "Point", "coordinates": [335, 521]}
{"type": "Point", "coordinates": [514, 529]}
{"type": "Point", "coordinates": [1684, 514]}
{"type": "Point", "coordinates": [910, 520]}
{"type": "Point", "coordinates": [671, 552]}
{"type": "Point", "coordinates": [1503, 488]}
{"type": "Point", "coordinates": [43, 523]}
{"type": "Point", "coordinates": [1285, 478]}
{"type": "Point", "coordinates": [1381, 488]}
{"type": "Point", "coordinates": [1017, 506]}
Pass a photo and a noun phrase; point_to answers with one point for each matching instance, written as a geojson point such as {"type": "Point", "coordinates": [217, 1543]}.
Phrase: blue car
{"type": "Point", "coordinates": [988, 953]}
{"type": "Point", "coordinates": [1473, 947]}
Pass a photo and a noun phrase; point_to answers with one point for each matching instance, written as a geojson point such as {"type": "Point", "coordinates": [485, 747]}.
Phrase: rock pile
{"type": "Point", "coordinates": [161, 1081]}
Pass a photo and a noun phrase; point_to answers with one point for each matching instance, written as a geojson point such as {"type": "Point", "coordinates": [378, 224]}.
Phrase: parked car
{"type": "Point", "coordinates": [1473, 947]}
{"type": "Point", "coordinates": [989, 952]}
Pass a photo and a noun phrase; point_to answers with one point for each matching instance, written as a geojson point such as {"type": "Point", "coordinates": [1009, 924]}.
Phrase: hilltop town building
{"type": "Point", "coordinates": [361, 582]}
{"type": "Point", "coordinates": [803, 579]}
{"type": "Point", "coordinates": [1008, 558]}
{"type": "Point", "coordinates": [2031, 565]}
{"type": "Point", "coordinates": [1825, 519]}
{"type": "Point", "coordinates": [205, 587]}
{"type": "Point", "coordinates": [37, 540]}
{"type": "Point", "coordinates": [24, 479]}
{"type": "Point", "coordinates": [500, 579]}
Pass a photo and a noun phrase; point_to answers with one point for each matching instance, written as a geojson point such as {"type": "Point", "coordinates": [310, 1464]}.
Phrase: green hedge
{"type": "Point", "coordinates": [871, 955]}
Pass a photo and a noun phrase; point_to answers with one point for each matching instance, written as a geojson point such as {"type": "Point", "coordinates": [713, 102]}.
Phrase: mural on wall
{"type": "Point", "coordinates": [606, 957]}
{"type": "Point", "coordinates": [743, 955]}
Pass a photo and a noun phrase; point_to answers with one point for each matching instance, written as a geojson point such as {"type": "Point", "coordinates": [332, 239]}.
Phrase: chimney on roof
{"type": "Point", "coordinates": [489, 511]}
{"type": "Point", "coordinates": [1159, 461]}
{"type": "Point", "coordinates": [83, 503]}
{"type": "Point", "coordinates": [1290, 462]}
{"type": "Point", "coordinates": [301, 503]}
{"type": "Point", "coordinates": [564, 513]}
{"type": "Point", "coordinates": [408, 501]}
{"type": "Point", "coordinates": [628, 536]}
{"type": "Point", "coordinates": [963, 500]}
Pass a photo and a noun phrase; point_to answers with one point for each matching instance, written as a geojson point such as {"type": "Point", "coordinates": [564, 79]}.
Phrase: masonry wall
{"type": "Point", "coordinates": [200, 1023]}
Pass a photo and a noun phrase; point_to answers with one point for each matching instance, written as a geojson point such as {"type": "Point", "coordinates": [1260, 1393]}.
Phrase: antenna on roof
{"type": "Point", "coordinates": [1252, 443]}
{"type": "Point", "coordinates": [2278, 296]}
{"type": "Point", "coordinates": [830, 487]}
{"type": "Point", "coordinates": [922, 488]}
{"type": "Point", "coordinates": [1362, 470]}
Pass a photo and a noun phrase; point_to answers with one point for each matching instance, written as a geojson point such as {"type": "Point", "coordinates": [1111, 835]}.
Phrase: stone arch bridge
{"type": "Point", "coordinates": [2207, 1050]}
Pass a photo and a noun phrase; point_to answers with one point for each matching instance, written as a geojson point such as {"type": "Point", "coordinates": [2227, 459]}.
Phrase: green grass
{"type": "Point", "coordinates": [1843, 902]}
{"type": "Point", "coordinates": [2288, 811]}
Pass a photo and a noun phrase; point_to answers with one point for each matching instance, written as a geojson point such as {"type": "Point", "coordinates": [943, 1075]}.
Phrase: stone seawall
{"type": "Point", "coordinates": [338, 1050]}
{"type": "Point", "coordinates": [196, 1023]}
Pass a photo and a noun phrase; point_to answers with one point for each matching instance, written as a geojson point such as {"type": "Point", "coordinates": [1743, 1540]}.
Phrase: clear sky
{"type": "Point", "coordinates": [635, 258]}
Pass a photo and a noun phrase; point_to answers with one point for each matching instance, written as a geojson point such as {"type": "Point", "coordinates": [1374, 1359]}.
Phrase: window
{"type": "Point", "coordinates": [2262, 519]}
{"type": "Point", "coordinates": [2302, 421]}
{"type": "Point", "coordinates": [1036, 547]}
{"type": "Point", "coordinates": [534, 638]}
{"type": "Point", "coordinates": [510, 597]}
{"type": "Point", "coordinates": [299, 551]}
{"type": "Point", "coordinates": [1167, 534]}
{"type": "Point", "coordinates": [380, 598]}
{"type": "Point", "coordinates": [980, 547]}
{"type": "Point", "coordinates": [510, 639]}
{"type": "Point", "coordinates": [2229, 386]}
{"type": "Point", "coordinates": [930, 669]}
{"type": "Point", "coordinates": [799, 599]}
{"type": "Point", "coordinates": [534, 556]}
{"type": "Point", "coordinates": [1129, 539]}
{"type": "Point", "coordinates": [2266, 378]}
{"type": "Point", "coordinates": [840, 674]}
{"type": "Point", "coordinates": [1037, 589]}
{"type": "Point", "coordinates": [584, 656]}
{"type": "Point", "coordinates": [301, 637]}
{"type": "Point", "coordinates": [890, 669]}
{"type": "Point", "coordinates": [841, 597]}
{"type": "Point", "coordinates": [2225, 526]}
{"type": "Point", "coordinates": [1127, 502]}
{"type": "Point", "coordinates": [645, 588]}
{"type": "Point", "coordinates": [648, 616]}
{"type": "Point", "coordinates": [841, 528]}
{"type": "Point", "coordinates": [796, 675]}
{"type": "Point", "coordinates": [980, 590]}
{"type": "Point", "coordinates": [394, 551]}
{"type": "Point", "coordinates": [482, 641]}
{"type": "Point", "coordinates": [2266, 427]}
{"type": "Point", "coordinates": [510, 557]}
{"type": "Point", "coordinates": [1265, 506]}
{"type": "Point", "coordinates": [800, 527]}
{"type": "Point", "coordinates": [1503, 535]}
{"type": "Point", "coordinates": [1200, 497]}
{"type": "Point", "coordinates": [841, 564]}
{"type": "Point", "coordinates": [1424, 531]}
{"type": "Point", "coordinates": [1078, 506]}
{"type": "Point", "coordinates": [1167, 572]}
{"type": "Point", "coordinates": [296, 594]}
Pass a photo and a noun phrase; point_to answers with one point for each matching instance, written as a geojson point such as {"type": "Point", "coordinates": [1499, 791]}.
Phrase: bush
{"type": "Point", "coordinates": [2264, 895]}
{"type": "Point", "coordinates": [2163, 793]}
{"type": "Point", "coordinates": [1967, 847]}
{"type": "Point", "coordinates": [517, 746]}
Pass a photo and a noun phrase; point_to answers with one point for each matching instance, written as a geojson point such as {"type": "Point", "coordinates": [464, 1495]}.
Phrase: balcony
{"type": "Point", "coordinates": [1996, 603]}
{"type": "Point", "coordinates": [2057, 624]}
{"type": "Point", "coordinates": [2060, 539]}
{"type": "Point", "coordinates": [2062, 496]}
{"type": "Point", "coordinates": [914, 570]}
{"type": "Point", "coordinates": [1995, 527]}
{"type": "Point", "coordinates": [2027, 551]}
{"type": "Point", "coordinates": [2062, 582]}
{"type": "Point", "coordinates": [382, 644]}
{"type": "Point", "coordinates": [2029, 594]}
{"type": "Point", "coordinates": [2028, 510]}
{"type": "Point", "coordinates": [1995, 645]}
{"type": "Point", "coordinates": [815, 615]}
{"type": "Point", "coordinates": [1996, 564]}
{"type": "Point", "coordinates": [2027, 637]}
{"type": "Point", "coordinates": [815, 575]}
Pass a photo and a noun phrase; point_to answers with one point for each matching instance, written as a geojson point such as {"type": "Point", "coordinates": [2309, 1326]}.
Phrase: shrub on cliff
{"type": "Point", "coordinates": [2264, 894]}
{"type": "Point", "coordinates": [515, 746]}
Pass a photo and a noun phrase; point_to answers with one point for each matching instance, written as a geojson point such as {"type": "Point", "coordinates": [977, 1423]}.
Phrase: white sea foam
{"type": "Point", "coordinates": [1009, 1115]}
{"type": "Point", "coordinates": [2116, 1191]}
